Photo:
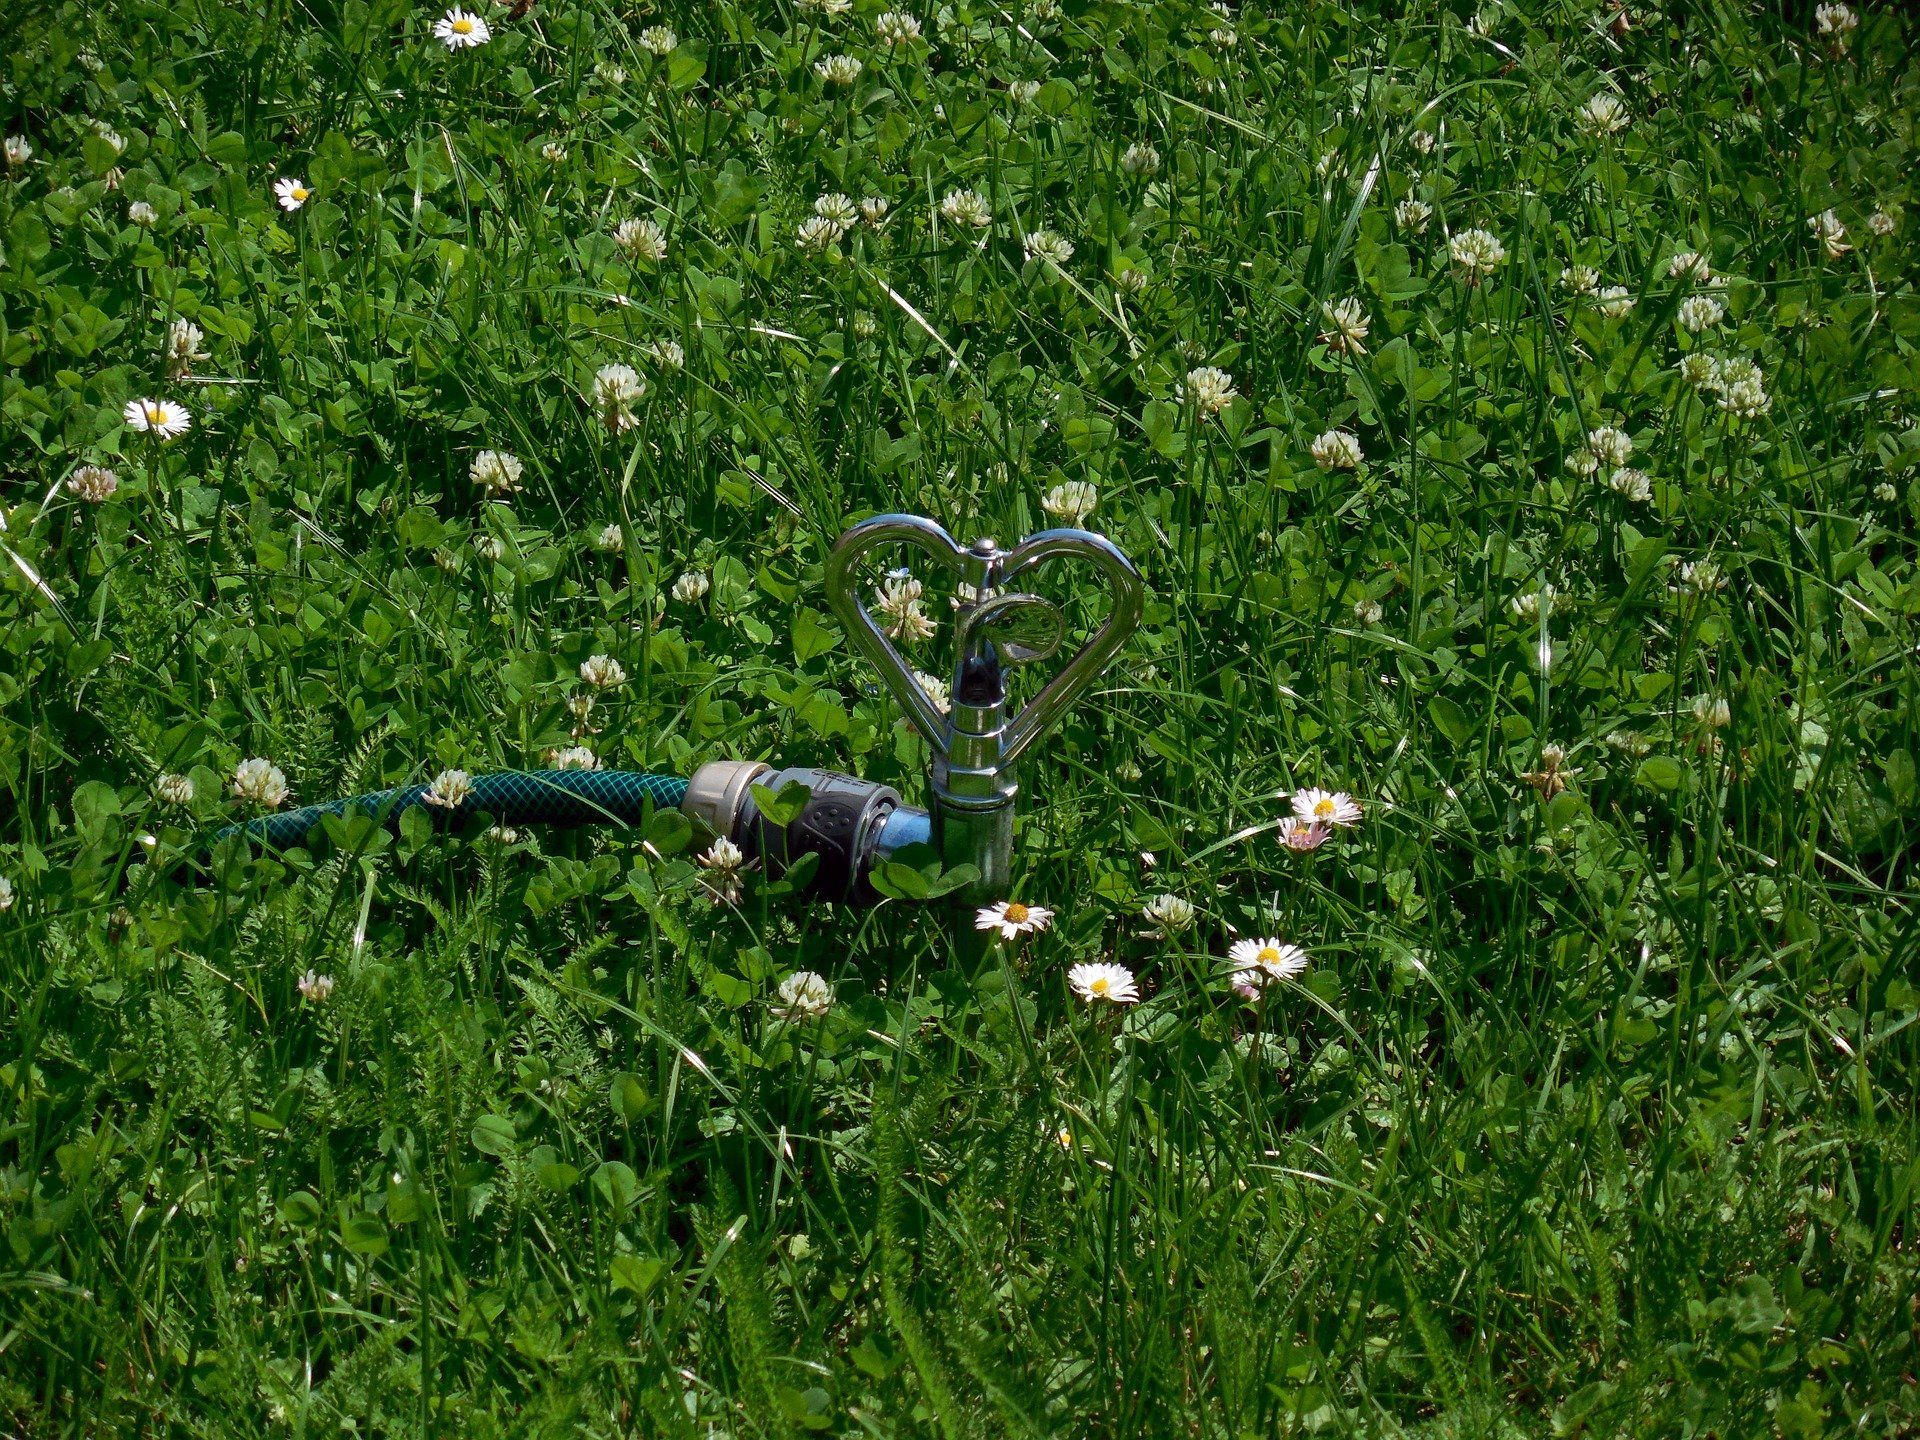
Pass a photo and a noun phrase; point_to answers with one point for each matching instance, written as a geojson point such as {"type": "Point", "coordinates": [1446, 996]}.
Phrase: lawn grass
{"type": "Point", "coordinates": [1586, 568]}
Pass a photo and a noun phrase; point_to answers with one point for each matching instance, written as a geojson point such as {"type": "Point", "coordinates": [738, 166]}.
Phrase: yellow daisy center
{"type": "Point", "coordinates": [1101, 986]}
{"type": "Point", "coordinates": [299, 192]}
{"type": "Point", "coordinates": [1017, 913]}
{"type": "Point", "coordinates": [1324, 809]}
{"type": "Point", "coordinates": [1268, 955]}
{"type": "Point", "coordinates": [463, 26]}
{"type": "Point", "coordinates": [156, 414]}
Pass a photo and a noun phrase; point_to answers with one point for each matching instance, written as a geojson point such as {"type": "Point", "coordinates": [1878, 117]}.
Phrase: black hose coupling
{"type": "Point", "coordinates": [849, 823]}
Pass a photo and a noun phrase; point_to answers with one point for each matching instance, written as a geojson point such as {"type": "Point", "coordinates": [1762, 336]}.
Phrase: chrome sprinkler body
{"type": "Point", "coordinates": [976, 744]}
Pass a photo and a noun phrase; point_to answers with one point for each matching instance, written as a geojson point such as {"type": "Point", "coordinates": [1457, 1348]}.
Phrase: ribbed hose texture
{"type": "Point", "coordinates": [512, 797]}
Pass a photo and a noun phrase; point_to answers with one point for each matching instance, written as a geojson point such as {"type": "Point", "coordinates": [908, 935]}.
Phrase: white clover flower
{"type": "Point", "coordinates": [1346, 326]}
{"type": "Point", "coordinates": [804, 995]}
{"type": "Point", "coordinates": [94, 484]}
{"type": "Point", "coordinates": [642, 239]}
{"type": "Point", "coordinates": [1336, 450]}
{"type": "Point", "coordinates": [1326, 807]}
{"type": "Point", "coordinates": [603, 672]}
{"type": "Point", "coordinates": [1614, 301]}
{"type": "Point", "coordinates": [900, 607]}
{"type": "Point", "coordinates": [1367, 611]}
{"type": "Point", "coordinates": [838, 69]}
{"type": "Point", "coordinates": [724, 863]}
{"type": "Point", "coordinates": [1580, 280]}
{"type": "Point", "coordinates": [1071, 501]}
{"type": "Point", "coordinates": [489, 547]}
{"type": "Point", "coordinates": [1476, 254]}
{"type": "Point", "coordinates": [1022, 92]}
{"type": "Point", "coordinates": [691, 588]}
{"type": "Point", "coordinates": [170, 789]}
{"type": "Point", "coordinates": [1610, 445]}
{"type": "Point", "coordinates": [165, 418]}
{"type": "Point", "coordinates": [259, 782]}
{"type": "Point", "coordinates": [1831, 234]}
{"type": "Point", "coordinates": [1303, 835]}
{"type": "Point", "coordinates": [315, 987]}
{"type": "Point", "coordinates": [291, 193]}
{"type": "Point", "coordinates": [449, 790]}
{"type": "Point", "coordinates": [1209, 389]}
{"type": "Point", "coordinates": [610, 539]}
{"type": "Point", "coordinates": [1131, 280]}
{"type": "Point", "coordinates": [461, 30]}
{"type": "Point", "coordinates": [1044, 11]}
{"type": "Point", "coordinates": [816, 235]}
{"type": "Point", "coordinates": [895, 28]}
{"type": "Point", "coordinates": [1050, 246]}
{"type": "Point", "coordinates": [1140, 158]}
{"type": "Point", "coordinates": [1168, 914]}
{"type": "Point", "coordinates": [1412, 215]}
{"type": "Point", "coordinates": [1425, 142]}
{"type": "Point", "coordinates": [1012, 919]}
{"type": "Point", "coordinates": [1886, 492]}
{"type": "Point", "coordinates": [553, 152]}
{"type": "Point", "coordinates": [1690, 265]}
{"type": "Point", "coordinates": [496, 471]}
{"type": "Point", "coordinates": [873, 210]}
{"type": "Point", "coordinates": [1700, 370]}
{"type": "Point", "coordinates": [616, 390]}
{"type": "Point", "coordinates": [1712, 711]}
{"type": "Point", "coordinates": [1835, 21]}
{"type": "Point", "coordinates": [1223, 37]}
{"type": "Point", "coordinates": [145, 216]}
{"type": "Point", "coordinates": [839, 210]}
{"type": "Point", "coordinates": [1631, 484]}
{"type": "Point", "coordinates": [1534, 605]}
{"type": "Point", "coordinates": [1111, 983]}
{"type": "Point", "coordinates": [1745, 398]}
{"type": "Point", "coordinates": [1700, 312]}
{"type": "Point", "coordinates": [18, 150]}
{"type": "Point", "coordinates": [580, 707]}
{"type": "Point", "coordinates": [572, 757]}
{"type": "Point", "coordinates": [1883, 223]}
{"type": "Point", "coordinates": [658, 41]}
{"type": "Point", "coordinates": [1603, 114]}
{"type": "Point", "coordinates": [183, 348]}
{"type": "Point", "coordinates": [1259, 963]}
{"type": "Point", "coordinates": [1703, 576]}
{"type": "Point", "coordinates": [667, 354]}
{"type": "Point", "coordinates": [966, 207]}
{"type": "Point", "coordinates": [935, 689]}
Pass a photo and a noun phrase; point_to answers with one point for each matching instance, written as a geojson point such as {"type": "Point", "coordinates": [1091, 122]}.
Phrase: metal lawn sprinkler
{"type": "Point", "coordinates": [850, 825]}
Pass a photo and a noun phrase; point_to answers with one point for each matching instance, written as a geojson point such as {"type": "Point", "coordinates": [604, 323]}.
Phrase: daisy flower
{"type": "Point", "coordinates": [1326, 807]}
{"type": "Point", "coordinates": [291, 193]}
{"type": "Point", "coordinates": [1304, 835]}
{"type": "Point", "coordinates": [461, 30]}
{"type": "Point", "coordinates": [1112, 983]}
{"type": "Point", "coordinates": [1012, 919]}
{"type": "Point", "coordinates": [1260, 962]}
{"type": "Point", "coordinates": [164, 418]}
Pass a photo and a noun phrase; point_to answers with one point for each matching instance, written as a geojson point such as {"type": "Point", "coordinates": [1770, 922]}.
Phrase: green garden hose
{"type": "Point", "coordinates": [511, 797]}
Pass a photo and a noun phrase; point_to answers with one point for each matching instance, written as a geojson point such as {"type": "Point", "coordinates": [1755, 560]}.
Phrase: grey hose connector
{"type": "Point", "coordinates": [848, 823]}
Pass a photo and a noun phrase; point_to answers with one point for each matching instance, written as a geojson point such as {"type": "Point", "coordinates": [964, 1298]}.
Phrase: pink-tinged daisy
{"type": "Point", "coordinates": [1258, 963]}
{"type": "Point", "coordinates": [461, 30]}
{"type": "Point", "coordinates": [1326, 807]}
{"type": "Point", "coordinates": [1113, 983]}
{"type": "Point", "coordinates": [1303, 835]}
{"type": "Point", "coordinates": [291, 193]}
{"type": "Point", "coordinates": [1012, 919]}
{"type": "Point", "coordinates": [164, 418]}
